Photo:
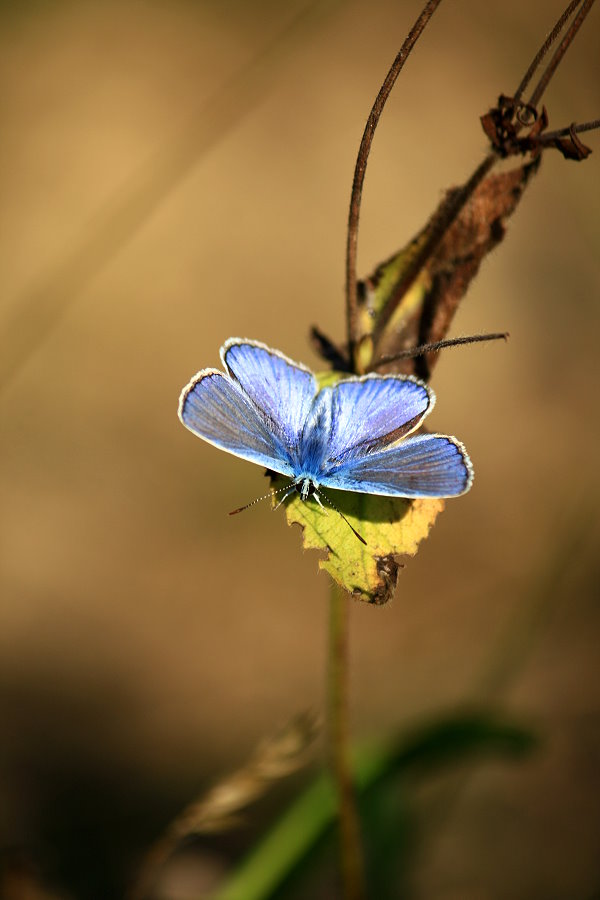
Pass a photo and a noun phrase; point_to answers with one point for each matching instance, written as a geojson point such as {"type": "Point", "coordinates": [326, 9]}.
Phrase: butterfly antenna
{"type": "Point", "coordinates": [413, 352]}
{"type": "Point", "coordinates": [340, 513]}
{"type": "Point", "coordinates": [264, 497]}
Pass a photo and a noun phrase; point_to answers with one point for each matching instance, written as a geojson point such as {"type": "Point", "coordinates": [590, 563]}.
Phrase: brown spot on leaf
{"type": "Point", "coordinates": [387, 570]}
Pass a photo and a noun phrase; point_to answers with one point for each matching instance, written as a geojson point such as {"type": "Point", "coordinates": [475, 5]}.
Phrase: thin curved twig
{"type": "Point", "coordinates": [545, 47]}
{"type": "Point", "coordinates": [547, 137]}
{"type": "Point", "coordinates": [560, 52]}
{"type": "Point", "coordinates": [361, 166]}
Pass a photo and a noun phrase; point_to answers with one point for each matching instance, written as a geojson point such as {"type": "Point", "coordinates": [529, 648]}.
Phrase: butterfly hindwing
{"type": "Point", "coordinates": [427, 465]}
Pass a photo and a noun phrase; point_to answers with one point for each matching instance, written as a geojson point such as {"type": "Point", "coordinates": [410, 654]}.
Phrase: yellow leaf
{"type": "Point", "coordinates": [391, 527]}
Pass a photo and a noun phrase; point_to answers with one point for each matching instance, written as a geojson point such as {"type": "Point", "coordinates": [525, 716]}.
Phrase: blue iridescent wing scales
{"type": "Point", "coordinates": [352, 436]}
{"type": "Point", "coordinates": [213, 407]}
{"type": "Point", "coordinates": [363, 415]}
{"type": "Point", "coordinates": [280, 390]}
{"type": "Point", "coordinates": [427, 465]}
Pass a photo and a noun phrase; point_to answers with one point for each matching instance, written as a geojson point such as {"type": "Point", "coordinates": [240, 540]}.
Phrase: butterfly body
{"type": "Point", "coordinates": [356, 435]}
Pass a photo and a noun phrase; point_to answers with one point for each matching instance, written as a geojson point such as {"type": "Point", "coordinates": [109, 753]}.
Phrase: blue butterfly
{"type": "Point", "coordinates": [353, 436]}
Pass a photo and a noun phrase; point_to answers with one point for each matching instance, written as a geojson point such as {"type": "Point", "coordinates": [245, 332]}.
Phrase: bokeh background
{"type": "Point", "coordinates": [177, 173]}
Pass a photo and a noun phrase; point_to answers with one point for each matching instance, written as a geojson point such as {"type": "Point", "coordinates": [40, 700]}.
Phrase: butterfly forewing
{"type": "Point", "coordinates": [371, 413]}
{"type": "Point", "coordinates": [214, 408]}
{"type": "Point", "coordinates": [281, 391]}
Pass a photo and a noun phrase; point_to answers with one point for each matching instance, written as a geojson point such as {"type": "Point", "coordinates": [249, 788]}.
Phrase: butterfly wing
{"type": "Point", "coordinates": [364, 415]}
{"type": "Point", "coordinates": [263, 411]}
{"type": "Point", "coordinates": [213, 407]}
{"type": "Point", "coordinates": [427, 465]}
{"type": "Point", "coordinates": [280, 390]}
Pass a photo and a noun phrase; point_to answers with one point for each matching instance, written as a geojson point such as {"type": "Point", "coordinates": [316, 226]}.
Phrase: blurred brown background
{"type": "Point", "coordinates": [155, 202]}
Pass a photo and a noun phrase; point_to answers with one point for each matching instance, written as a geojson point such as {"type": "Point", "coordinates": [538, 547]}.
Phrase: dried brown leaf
{"type": "Point", "coordinates": [425, 312]}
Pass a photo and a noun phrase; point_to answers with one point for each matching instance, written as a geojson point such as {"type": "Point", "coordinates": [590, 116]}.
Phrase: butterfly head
{"type": "Point", "coordinates": [306, 487]}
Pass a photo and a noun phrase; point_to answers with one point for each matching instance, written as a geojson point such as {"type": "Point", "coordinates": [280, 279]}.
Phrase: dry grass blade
{"type": "Point", "coordinates": [221, 808]}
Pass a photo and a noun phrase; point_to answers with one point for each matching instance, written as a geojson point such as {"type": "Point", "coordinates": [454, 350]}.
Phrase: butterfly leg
{"type": "Point", "coordinates": [285, 496]}
{"type": "Point", "coordinates": [318, 499]}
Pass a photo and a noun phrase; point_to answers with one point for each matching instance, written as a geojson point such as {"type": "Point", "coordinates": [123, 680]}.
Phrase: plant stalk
{"type": "Point", "coordinates": [351, 856]}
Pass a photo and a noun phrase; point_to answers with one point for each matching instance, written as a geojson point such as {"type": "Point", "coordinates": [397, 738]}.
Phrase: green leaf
{"type": "Point", "coordinates": [391, 527]}
{"type": "Point", "coordinates": [311, 817]}
{"type": "Point", "coordinates": [379, 288]}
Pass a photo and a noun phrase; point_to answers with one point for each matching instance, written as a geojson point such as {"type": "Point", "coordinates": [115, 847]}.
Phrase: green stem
{"type": "Point", "coordinates": [350, 844]}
